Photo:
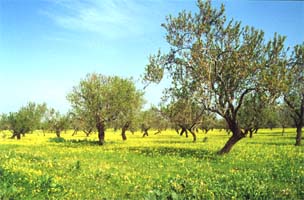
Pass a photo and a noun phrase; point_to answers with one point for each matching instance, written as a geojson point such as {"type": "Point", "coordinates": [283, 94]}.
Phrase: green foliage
{"type": "Point", "coordinates": [294, 95]}
{"type": "Point", "coordinates": [100, 100]}
{"type": "Point", "coordinates": [26, 120]}
{"type": "Point", "coordinates": [217, 62]}
{"type": "Point", "coordinates": [57, 122]}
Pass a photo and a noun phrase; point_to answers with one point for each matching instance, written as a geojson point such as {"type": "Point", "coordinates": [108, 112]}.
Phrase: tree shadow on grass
{"type": "Point", "coordinates": [287, 143]}
{"type": "Point", "coordinates": [75, 142]}
{"type": "Point", "coordinates": [175, 152]}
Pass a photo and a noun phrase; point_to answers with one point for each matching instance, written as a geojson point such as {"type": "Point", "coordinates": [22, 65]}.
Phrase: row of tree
{"type": "Point", "coordinates": [217, 68]}
{"type": "Point", "coordinates": [184, 117]}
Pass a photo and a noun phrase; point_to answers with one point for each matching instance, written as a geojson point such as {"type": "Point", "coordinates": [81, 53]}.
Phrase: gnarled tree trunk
{"type": "Point", "coordinates": [123, 131]}
{"type": "Point", "coordinates": [16, 135]}
{"type": "Point", "coordinates": [237, 135]}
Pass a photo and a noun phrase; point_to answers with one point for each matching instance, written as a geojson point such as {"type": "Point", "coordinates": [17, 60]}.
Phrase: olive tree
{"type": "Point", "coordinates": [130, 109]}
{"type": "Point", "coordinates": [184, 114]}
{"type": "Point", "coordinates": [26, 120]}
{"type": "Point", "coordinates": [252, 114]}
{"type": "Point", "coordinates": [101, 99]}
{"type": "Point", "coordinates": [220, 61]}
{"type": "Point", "coordinates": [57, 122]}
{"type": "Point", "coordinates": [284, 117]}
{"type": "Point", "coordinates": [294, 95]}
{"type": "Point", "coordinates": [83, 123]}
{"type": "Point", "coordinates": [152, 119]}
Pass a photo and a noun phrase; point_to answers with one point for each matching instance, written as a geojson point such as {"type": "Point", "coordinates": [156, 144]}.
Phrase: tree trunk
{"type": "Point", "coordinates": [75, 132]}
{"type": "Point", "coordinates": [101, 132]}
{"type": "Point", "coordinates": [17, 135]}
{"type": "Point", "coordinates": [124, 129]}
{"type": "Point", "coordinates": [283, 130]}
{"type": "Point", "coordinates": [123, 133]}
{"type": "Point", "coordinates": [193, 134]}
{"type": "Point", "coordinates": [237, 135]}
{"type": "Point", "coordinates": [145, 132]}
{"type": "Point", "coordinates": [58, 133]}
{"type": "Point", "coordinates": [230, 143]}
{"type": "Point", "coordinates": [250, 133]}
{"type": "Point", "coordinates": [157, 132]}
{"type": "Point", "coordinates": [299, 134]}
{"type": "Point", "coordinates": [184, 130]}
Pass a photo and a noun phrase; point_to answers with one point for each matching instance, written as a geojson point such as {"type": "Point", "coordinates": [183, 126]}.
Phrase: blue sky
{"type": "Point", "coordinates": [47, 46]}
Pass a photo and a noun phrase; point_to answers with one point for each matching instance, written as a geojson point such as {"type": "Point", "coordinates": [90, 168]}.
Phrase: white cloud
{"type": "Point", "coordinates": [108, 18]}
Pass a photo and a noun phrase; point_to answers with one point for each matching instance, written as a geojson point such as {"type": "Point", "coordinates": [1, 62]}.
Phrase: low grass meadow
{"type": "Point", "coordinates": [162, 166]}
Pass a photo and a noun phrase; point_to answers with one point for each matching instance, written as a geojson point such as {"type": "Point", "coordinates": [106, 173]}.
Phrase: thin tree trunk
{"type": "Point", "coordinates": [157, 132]}
{"type": "Point", "coordinates": [283, 130]}
{"type": "Point", "coordinates": [193, 134]}
{"type": "Point", "coordinates": [75, 132]}
{"type": "Point", "coordinates": [299, 134]}
{"type": "Point", "coordinates": [251, 133]}
{"type": "Point", "coordinates": [146, 132]}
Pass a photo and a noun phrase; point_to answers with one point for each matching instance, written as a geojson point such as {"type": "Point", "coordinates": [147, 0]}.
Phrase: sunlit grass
{"type": "Point", "coordinates": [156, 167]}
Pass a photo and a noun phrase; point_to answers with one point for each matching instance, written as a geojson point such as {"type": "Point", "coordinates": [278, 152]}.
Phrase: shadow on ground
{"type": "Point", "coordinates": [84, 142]}
{"type": "Point", "coordinates": [174, 151]}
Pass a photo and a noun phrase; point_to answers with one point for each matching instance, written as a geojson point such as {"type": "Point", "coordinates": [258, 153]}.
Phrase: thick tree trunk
{"type": "Point", "coordinates": [58, 133]}
{"type": "Point", "coordinates": [184, 130]}
{"type": "Point", "coordinates": [230, 143]}
{"type": "Point", "coordinates": [123, 131]}
{"type": "Point", "coordinates": [123, 134]}
{"type": "Point", "coordinates": [299, 134]}
{"type": "Point", "coordinates": [101, 133]}
{"type": "Point", "coordinates": [237, 135]}
{"type": "Point", "coordinates": [16, 135]}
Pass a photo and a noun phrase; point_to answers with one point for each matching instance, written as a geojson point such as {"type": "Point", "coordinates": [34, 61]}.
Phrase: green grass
{"type": "Point", "coordinates": [164, 166]}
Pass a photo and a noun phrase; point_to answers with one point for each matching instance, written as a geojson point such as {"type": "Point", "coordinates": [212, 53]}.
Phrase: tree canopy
{"type": "Point", "coordinates": [103, 99]}
{"type": "Point", "coordinates": [220, 61]}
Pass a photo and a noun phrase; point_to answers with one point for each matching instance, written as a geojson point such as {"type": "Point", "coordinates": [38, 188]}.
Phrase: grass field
{"type": "Point", "coordinates": [164, 166]}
